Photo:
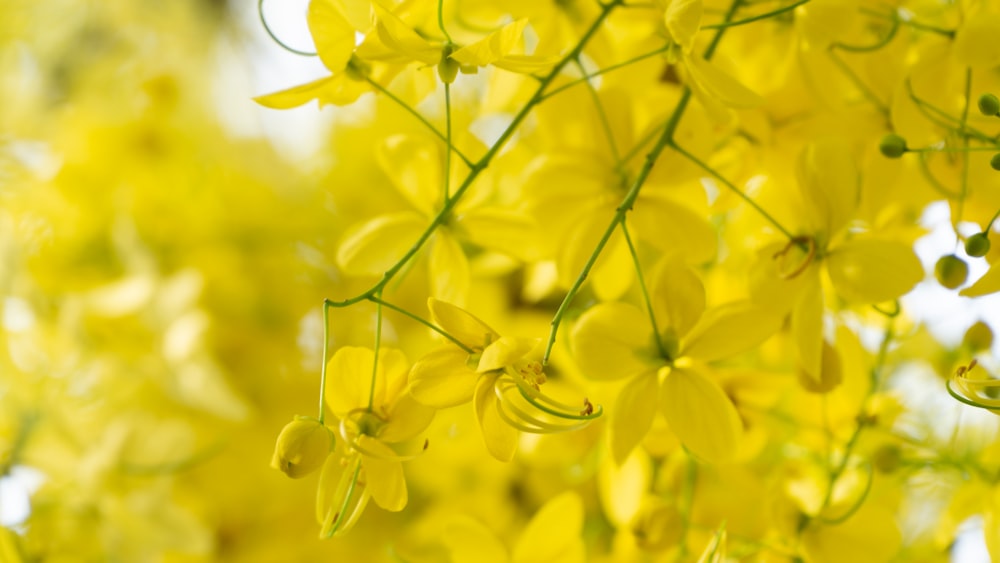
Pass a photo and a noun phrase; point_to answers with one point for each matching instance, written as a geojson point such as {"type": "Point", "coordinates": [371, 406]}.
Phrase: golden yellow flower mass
{"type": "Point", "coordinates": [531, 281]}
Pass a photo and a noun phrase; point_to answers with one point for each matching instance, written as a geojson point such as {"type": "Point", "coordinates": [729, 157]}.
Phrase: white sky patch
{"type": "Point", "coordinates": [15, 491]}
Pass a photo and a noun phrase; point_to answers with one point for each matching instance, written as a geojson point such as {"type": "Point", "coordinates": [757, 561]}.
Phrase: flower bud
{"type": "Point", "coordinates": [302, 447]}
{"type": "Point", "coordinates": [892, 146]}
{"type": "Point", "coordinates": [447, 67]}
{"type": "Point", "coordinates": [979, 337]}
{"type": "Point", "coordinates": [951, 271]}
{"type": "Point", "coordinates": [989, 104]}
{"type": "Point", "coordinates": [995, 161]}
{"type": "Point", "coordinates": [977, 245]}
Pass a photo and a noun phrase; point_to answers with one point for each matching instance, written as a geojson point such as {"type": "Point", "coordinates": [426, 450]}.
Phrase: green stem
{"type": "Point", "coordinates": [422, 321]}
{"type": "Point", "coordinates": [645, 293]}
{"type": "Point", "coordinates": [949, 33]}
{"type": "Point", "coordinates": [950, 149]}
{"type": "Point", "coordinates": [727, 24]}
{"type": "Point", "coordinates": [378, 346]}
{"type": "Point", "coordinates": [483, 162]}
{"type": "Point", "coordinates": [270, 33]}
{"type": "Point", "coordinates": [990, 224]}
{"type": "Point", "coordinates": [422, 119]}
{"type": "Point", "coordinates": [774, 222]}
{"type": "Point", "coordinates": [322, 369]}
{"type": "Point", "coordinates": [602, 116]}
{"type": "Point", "coordinates": [449, 147]}
{"type": "Point", "coordinates": [882, 42]}
{"type": "Point", "coordinates": [605, 70]}
{"type": "Point", "coordinates": [964, 191]}
{"type": "Point", "coordinates": [926, 108]}
{"type": "Point", "coordinates": [441, 22]}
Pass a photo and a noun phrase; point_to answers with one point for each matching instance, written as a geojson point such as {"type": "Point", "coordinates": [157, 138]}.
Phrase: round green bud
{"type": "Point", "coordinates": [989, 104]}
{"type": "Point", "coordinates": [978, 337]}
{"type": "Point", "coordinates": [977, 245]}
{"type": "Point", "coordinates": [995, 161]}
{"type": "Point", "coordinates": [892, 146]}
{"type": "Point", "coordinates": [887, 458]}
{"type": "Point", "coordinates": [951, 271]}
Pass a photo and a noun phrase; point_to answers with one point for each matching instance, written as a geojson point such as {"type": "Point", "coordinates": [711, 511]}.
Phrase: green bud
{"type": "Point", "coordinates": [995, 161]}
{"type": "Point", "coordinates": [448, 67]}
{"type": "Point", "coordinates": [892, 146]}
{"type": "Point", "coordinates": [989, 104]}
{"type": "Point", "coordinates": [977, 245]}
{"type": "Point", "coordinates": [887, 458]}
{"type": "Point", "coordinates": [951, 271]}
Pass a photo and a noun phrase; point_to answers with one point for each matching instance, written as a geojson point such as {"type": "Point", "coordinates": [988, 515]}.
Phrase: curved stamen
{"type": "Point", "coordinates": [538, 426]}
{"type": "Point", "coordinates": [971, 396]}
{"type": "Point", "coordinates": [536, 398]}
{"type": "Point", "coordinates": [810, 256]}
{"type": "Point", "coordinates": [341, 516]}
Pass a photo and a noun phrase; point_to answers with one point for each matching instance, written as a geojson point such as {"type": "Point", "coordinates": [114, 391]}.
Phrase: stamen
{"type": "Point", "coordinates": [810, 255]}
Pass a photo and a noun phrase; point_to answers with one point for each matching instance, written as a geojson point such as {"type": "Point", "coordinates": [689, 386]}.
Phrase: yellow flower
{"type": "Point", "coordinates": [302, 447]}
{"type": "Point", "coordinates": [491, 370]}
{"type": "Point", "coordinates": [377, 420]}
{"type": "Point", "coordinates": [669, 371]}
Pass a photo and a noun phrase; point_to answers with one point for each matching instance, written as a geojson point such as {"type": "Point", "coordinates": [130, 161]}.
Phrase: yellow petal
{"type": "Point", "coordinates": [607, 338]}
{"type": "Point", "coordinates": [989, 283]}
{"type": "Point", "coordinates": [504, 352]}
{"type": "Point", "coordinates": [719, 85]}
{"type": "Point", "coordinates": [331, 33]}
{"type": "Point", "coordinates": [633, 415]}
{"type": "Point", "coordinates": [807, 329]}
{"type": "Point", "coordinates": [468, 541]}
{"type": "Point", "coordinates": [337, 90]}
{"type": "Point", "coordinates": [553, 534]}
{"type": "Point", "coordinates": [976, 41]}
{"type": "Point", "coordinates": [500, 438]}
{"type": "Point", "coordinates": [873, 271]}
{"type": "Point", "coordinates": [461, 324]}
{"type": "Point", "coordinates": [613, 274]}
{"type": "Point", "coordinates": [402, 39]}
{"type": "Point", "coordinates": [384, 477]}
{"type": "Point", "coordinates": [376, 245]}
{"type": "Point", "coordinates": [509, 232]}
{"type": "Point", "coordinates": [449, 268]}
{"type": "Point", "coordinates": [678, 298]}
{"type": "Point", "coordinates": [623, 487]}
{"type": "Point", "coordinates": [525, 64]}
{"type": "Point", "coordinates": [493, 46]}
{"type": "Point", "coordinates": [830, 183]}
{"type": "Point", "coordinates": [729, 330]}
{"type": "Point", "coordinates": [701, 415]}
{"type": "Point", "coordinates": [414, 167]}
{"type": "Point", "coordinates": [442, 378]}
{"type": "Point", "coordinates": [9, 551]}
{"type": "Point", "coordinates": [348, 375]}
{"type": "Point", "coordinates": [683, 20]}
{"type": "Point", "coordinates": [675, 228]}
{"type": "Point", "coordinates": [407, 419]}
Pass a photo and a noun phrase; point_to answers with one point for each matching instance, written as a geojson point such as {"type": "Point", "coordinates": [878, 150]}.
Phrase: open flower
{"type": "Point", "coordinates": [494, 372]}
{"type": "Point", "coordinates": [378, 422]}
{"type": "Point", "coordinates": [670, 370]}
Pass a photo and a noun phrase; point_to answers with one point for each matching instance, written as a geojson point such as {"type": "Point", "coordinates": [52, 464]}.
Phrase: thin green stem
{"type": "Point", "coordinates": [477, 168]}
{"type": "Point", "coordinates": [422, 119]}
{"type": "Point", "coordinates": [422, 321]}
{"type": "Point", "coordinates": [993, 220]}
{"type": "Point", "coordinates": [605, 70]}
{"type": "Point", "coordinates": [858, 83]}
{"type": "Point", "coordinates": [378, 347]}
{"type": "Point", "coordinates": [645, 292]}
{"type": "Point", "coordinates": [270, 33]}
{"type": "Point", "coordinates": [882, 42]}
{"type": "Point", "coordinates": [774, 222]}
{"type": "Point", "coordinates": [441, 22]}
{"type": "Point", "coordinates": [322, 369]}
{"type": "Point", "coordinates": [628, 201]}
{"type": "Point", "coordinates": [449, 147]}
{"type": "Point", "coordinates": [949, 33]}
{"type": "Point", "coordinates": [602, 116]}
{"type": "Point", "coordinates": [952, 149]}
{"type": "Point", "coordinates": [932, 180]}
{"type": "Point", "coordinates": [771, 14]}
{"type": "Point", "coordinates": [642, 142]}
{"type": "Point", "coordinates": [964, 190]}
{"type": "Point", "coordinates": [927, 108]}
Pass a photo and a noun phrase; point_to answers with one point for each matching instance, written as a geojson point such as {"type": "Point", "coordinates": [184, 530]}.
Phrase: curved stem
{"type": "Point", "coordinates": [322, 369]}
{"type": "Point", "coordinates": [270, 33]}
{"type": "Point", "coordinates": [441, 23]}
{"type": "Point", "coordinates": [882, 42]}
{"type": "Point", "coordinates": [645, 292]}
{"type": "Point", "coordinates": [605, 70]}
